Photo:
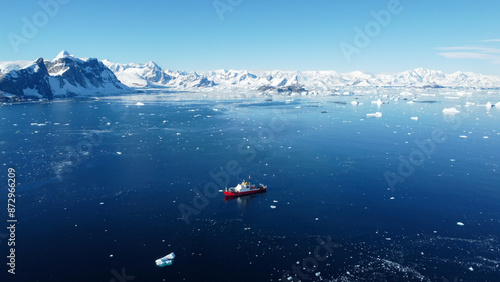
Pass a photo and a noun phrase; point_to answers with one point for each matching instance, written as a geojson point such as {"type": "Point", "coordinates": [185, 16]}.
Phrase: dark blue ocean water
{"type": "Point", "coordinates": [106, 187]}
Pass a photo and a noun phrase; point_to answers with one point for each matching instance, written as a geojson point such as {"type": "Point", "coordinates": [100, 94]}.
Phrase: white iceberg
{"type": "Point", "coordinates": [166, 260]}
{"type": "Point", "coordinates": [450, 111]}
{"type": "Point", "coordinates": [139, 104]}
{"type": "Point", "coordinates": [414, 118]}
{"type": "Point", "coordinates": [354, 103]}
{"type": "Point", "coordinates": [378, 102]}
{"type": "Point", "coordinates": [376, 115]}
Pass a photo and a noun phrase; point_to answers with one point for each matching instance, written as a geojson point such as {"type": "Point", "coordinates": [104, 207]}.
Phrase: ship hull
{"type": "Point", "coordinates": [238, 194]}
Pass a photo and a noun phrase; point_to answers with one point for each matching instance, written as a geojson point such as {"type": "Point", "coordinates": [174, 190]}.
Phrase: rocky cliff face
{"type": "Point", "coordinates": [64, 76]}
{"type": "Point", "coordinates": [31, 82]}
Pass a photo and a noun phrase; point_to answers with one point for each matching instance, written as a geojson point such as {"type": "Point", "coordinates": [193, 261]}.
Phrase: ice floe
{"type": "Point", "coordinates": [375, 115]}
{"type": "Point", "coordinates": [166, 260]}
{"type": "Point", "coordinates": [450, 111]}
{"type": "Point", "coordinates": [378, 102]}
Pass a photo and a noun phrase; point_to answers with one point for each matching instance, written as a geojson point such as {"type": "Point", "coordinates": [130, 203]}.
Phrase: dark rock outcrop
{"type": "Point", "coordinates": [28, 81]}
{"type": "Point", "coordinates": [65, 76]}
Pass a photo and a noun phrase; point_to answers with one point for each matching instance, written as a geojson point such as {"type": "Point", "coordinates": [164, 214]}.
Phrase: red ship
{"type": "Point", "coordinates": [245, 188]}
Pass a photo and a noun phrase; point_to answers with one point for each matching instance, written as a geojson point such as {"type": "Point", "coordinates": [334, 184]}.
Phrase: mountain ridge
{"type": "Point", "coordinates": [68, 76]}
{"type": "Point", "coordinates": [64, 76]}
{"type": "Point", "coordinates": [311, 80]}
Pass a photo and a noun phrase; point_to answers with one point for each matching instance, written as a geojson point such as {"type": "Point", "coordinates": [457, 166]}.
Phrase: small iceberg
{"type": "Point", "coordinates": [450, 111]}
{"type": "Point", "coordinates": [139, 104]}
{"type": "Point", "coordinates": [376, 115]}
{"type": "Point", "coordinates": [460, 223]}
{"type": "Point", "coordinates": [166, 260]}
{"type": "Point", "coordinates": [354, 103]}
{"type": "Point", "coordinates": [414, 118]}
{"type": "Point", "coordinates": [378, 102]}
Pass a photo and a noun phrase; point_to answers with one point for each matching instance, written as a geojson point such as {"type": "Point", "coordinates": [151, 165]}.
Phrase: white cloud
{"type": "Point", "coordinates": [480, 49]}
{"type": "Point", "coordinates": [490, 40]}
{"type": "Point", "coordinates": [468, 55]}
{"type": "Point", "coordinates": [472, 52]}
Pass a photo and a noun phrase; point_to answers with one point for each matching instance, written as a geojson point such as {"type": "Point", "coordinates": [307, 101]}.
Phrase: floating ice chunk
{"type": "Point", "coordinates": [488, 105]}
{"type": "Point", "coordinates": [463, 136]}
{"type": "Point", "coordinates": [460, 223]}
{"type": "Point", "coordinates": [111, 255]}
{"type": "Point", "coordinates": [468, 104]}
{"type": "Point", "coordinates": [485, 137]}
{"type": "Point", "coordinates": [414, 118]}
{"type": "Point", "coordinates": [118, 153]}
{"type": "Point", "coordinates": [273, 207]}
{"type": "Point", "coordinates": [378, 102]}
{"type": "Point", "coordinates": [166, 260]}
{"type": "Point", "coordinates": [274, 201]}
{"type": "Point", "coordinates": [139, 104]}
{"type": "Point", "coordinates": [376, 115]}
{"type": "Point", "coordinates": [290, 278]}
{"type": "Point", "coordinates": [317, 274]}
{"type": "Point", "coordinates": [450, 111]}
{"type": "Point", "coordinates": [471, 269]}
{"type": "Point", "coordinates": [409, 102]}
{"type": "Point", "coordinates": [354, 103]}
{"type": "Point", "coordinates": [391, 198]}
{"type": "Point", "coordinates": [497, 105]}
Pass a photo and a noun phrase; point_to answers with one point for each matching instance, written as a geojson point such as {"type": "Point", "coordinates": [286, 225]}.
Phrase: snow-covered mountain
{"type": "Point", "coordinates": [64, 76]}
{"type": "Point", "coordinates": [151, 75]}
{"type": "Point", "coordinates": [67, 76]}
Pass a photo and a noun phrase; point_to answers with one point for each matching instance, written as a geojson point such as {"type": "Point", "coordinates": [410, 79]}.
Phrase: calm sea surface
{"type": "Point", "coordinates": [106, 187]}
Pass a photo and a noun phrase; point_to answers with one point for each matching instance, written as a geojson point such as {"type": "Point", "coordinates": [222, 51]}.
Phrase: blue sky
{"type": "Point", "coordinates": [258, 35]}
